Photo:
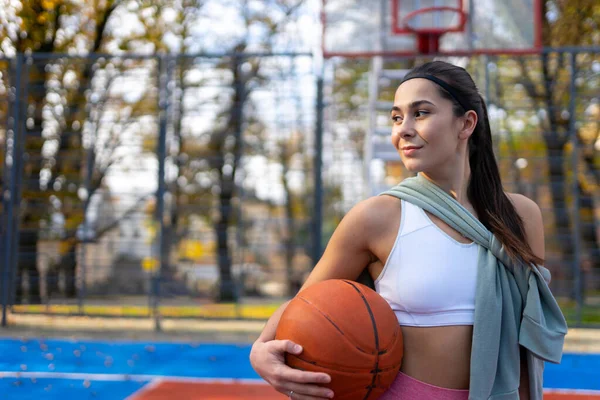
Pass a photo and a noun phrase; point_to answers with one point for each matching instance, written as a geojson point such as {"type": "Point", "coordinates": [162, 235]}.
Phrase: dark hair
{"type": "Point", "coordinates": [485, 190]}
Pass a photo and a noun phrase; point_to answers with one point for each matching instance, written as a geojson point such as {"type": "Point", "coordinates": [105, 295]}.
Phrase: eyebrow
{"type": "Point", "coordinates": [414, 104]}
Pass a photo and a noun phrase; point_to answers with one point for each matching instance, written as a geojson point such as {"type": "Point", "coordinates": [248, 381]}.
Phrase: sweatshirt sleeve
{"type": "Point", "coordinates": [543, 326]}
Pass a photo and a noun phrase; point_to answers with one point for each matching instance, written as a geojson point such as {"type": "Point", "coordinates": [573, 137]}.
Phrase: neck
{"type": "Point", "coordinates": [454, 183]}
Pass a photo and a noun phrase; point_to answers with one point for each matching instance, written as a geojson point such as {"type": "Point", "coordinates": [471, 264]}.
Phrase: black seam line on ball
{"type": "Point", "coordinates": [376, 367]}
{"type": "Point", "coordinates": [337, 368]}
{"type": "Point", "coordinates": [323, 314]}
{"type": "Point", "coordinates": [307, 361]}
{"type": "Point", "coordinates": [332, 323]}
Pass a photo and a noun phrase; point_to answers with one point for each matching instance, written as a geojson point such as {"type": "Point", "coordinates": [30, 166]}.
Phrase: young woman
{"type": "Point", "coordinates": [431, 273]}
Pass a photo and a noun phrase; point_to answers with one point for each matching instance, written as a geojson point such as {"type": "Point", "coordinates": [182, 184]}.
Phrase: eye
{"type": "Point", "coordinates": [397, 118]}
{"type": "Point", "coordinates": [421, 113]}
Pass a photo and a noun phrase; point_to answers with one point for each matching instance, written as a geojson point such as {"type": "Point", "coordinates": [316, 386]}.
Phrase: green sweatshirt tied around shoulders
{"type": "Point", "coordinates": [513, 303]}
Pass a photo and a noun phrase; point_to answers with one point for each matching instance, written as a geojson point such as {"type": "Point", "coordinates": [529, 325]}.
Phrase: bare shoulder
{"type": "Point", "coordinates": [376, 212]}
{"type": "Point", "coordinates": [533, 224]}
{"type": "Point", "coordinates": [527, 209]}
{"type": "Point", "coordinates": [350, 249]}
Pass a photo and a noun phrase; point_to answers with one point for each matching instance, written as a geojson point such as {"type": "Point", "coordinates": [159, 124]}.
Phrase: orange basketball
{"type": "Point", "coordinates": [348, 331]}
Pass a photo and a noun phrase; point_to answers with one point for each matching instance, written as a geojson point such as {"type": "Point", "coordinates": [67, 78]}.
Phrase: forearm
{"type": "Point", "coordinates": [268, 332]}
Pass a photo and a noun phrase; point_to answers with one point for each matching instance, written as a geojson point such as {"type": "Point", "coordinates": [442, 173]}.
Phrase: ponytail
{"type": "Point", "coordinates": [486, 194]}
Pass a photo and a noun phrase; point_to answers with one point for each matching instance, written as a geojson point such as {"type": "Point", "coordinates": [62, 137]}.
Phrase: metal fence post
{"type": "Point", "coordinates": [24, 69]}
{"type": "Point", "coordinates": [81, 276]}
{"type": "Point", "coordinates": [10, 193]}
{"type": "Point", "coordinates": [160, 193]}
{"type": "Point", "coordinates": [318, 166]}
{"type": "Point", "coordinates": [575, 162]}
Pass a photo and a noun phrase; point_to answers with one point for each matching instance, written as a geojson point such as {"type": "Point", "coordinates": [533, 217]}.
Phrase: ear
{"type": "Point", "coordinates": [469, 122]}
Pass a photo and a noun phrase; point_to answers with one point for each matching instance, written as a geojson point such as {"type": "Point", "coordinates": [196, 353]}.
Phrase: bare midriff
{"type": "Point", "coordinates": [438, 355]}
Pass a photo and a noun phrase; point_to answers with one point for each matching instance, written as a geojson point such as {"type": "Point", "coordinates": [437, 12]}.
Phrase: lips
{"type": "Point", "coordinates": [410, 150]}
{"type": "Point", "coordinates": [410, 147]}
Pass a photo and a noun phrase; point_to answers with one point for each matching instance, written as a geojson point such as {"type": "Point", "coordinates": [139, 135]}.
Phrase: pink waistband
{"type": "Point", "coordinates": [405, 387]}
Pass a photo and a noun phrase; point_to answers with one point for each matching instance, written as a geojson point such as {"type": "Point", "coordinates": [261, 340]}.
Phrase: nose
{"type": "Point", "coordinates": [407, 128]}
{"type": "Point", "coordinates": [403, 131]}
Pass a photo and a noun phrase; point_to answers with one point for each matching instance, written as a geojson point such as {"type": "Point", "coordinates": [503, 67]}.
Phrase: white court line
{"type": "Point", "coordinates": [144, 389]}
{"type": "Point", "coordinates": [124, 377]}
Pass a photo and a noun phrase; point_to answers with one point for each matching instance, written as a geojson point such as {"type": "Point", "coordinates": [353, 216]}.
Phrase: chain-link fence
{"type": "Point", "coordinates": [160, 186]}
{"type": "Point", "coordinates": [135, 183]}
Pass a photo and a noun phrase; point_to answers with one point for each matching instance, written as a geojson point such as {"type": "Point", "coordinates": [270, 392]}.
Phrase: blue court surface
{"type": "Point", "coordinates": [70, 369]}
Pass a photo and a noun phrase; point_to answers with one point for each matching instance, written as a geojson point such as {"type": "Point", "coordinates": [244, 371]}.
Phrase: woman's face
{"type": "Point", "coordinates": [425, 132]}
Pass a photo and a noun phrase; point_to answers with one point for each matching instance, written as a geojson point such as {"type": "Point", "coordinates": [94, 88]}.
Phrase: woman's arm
{"type": "Point", "coordinates": [345, 257]}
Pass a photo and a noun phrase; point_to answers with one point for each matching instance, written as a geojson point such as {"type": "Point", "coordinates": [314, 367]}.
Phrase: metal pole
{"type": "Point", "coordinates": [575, 162]}
{"type": "Point", "coordinates": [374, 75]}
{"type": "Point", "coordinates": [239, 286]}
{"type": "Point", "coordinates": [470, 18]}
{"type": "Point", "coordinates": [160, 194]}
{"type": "Point", "coordinates": [23, 85]}
{"type": "Point", "coordinates": [318, 166]}
{"type": "Point", "coordinates": [241, 94]}
{"type": "Point", "coordinates": [88, 183]}
{"type": "Point", "coordinates": [373, 88]}
{"type": "Point", "coordinates": [5, 220]}
{"type": "Point", "coordinates": [10, 193]}
{"type": "Point", "coordinates": [486, 77]}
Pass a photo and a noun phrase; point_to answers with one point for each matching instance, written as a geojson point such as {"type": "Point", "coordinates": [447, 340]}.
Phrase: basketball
{"type": "Point", "coordinates": [348, 331]}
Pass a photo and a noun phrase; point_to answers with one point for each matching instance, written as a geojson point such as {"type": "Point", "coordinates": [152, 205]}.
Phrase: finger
{"type": "Point", "coordinates": [295, 375]}
{"type": "Point", "coordinates": [300, 396]}
{"type": "Point", "coordinates": [309, 390]}
{"type": "Point", "coordinates": [287, 346]}
{"type": "Point", "coordinates": [297, 396]}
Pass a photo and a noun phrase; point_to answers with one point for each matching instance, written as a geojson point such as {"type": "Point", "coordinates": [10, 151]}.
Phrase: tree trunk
{"type": "Point", "coordinates": [228, 290]}
{"type": "Point", "coordinates": [28, 239]}
{"type": "Point", "coordinates": [227, 287]}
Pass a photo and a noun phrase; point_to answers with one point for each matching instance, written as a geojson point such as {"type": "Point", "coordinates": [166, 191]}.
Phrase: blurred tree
{"type": "Point", "coordinates": [63, 111]}
{"type": "Point", "coordinates": [47, 27]}
{"type": "Point", "coordinates": [272, 19]}
{"type": "Point", "coordinates": [566, 23]}
{"type": "Point", "coordinates": [258, 27]}
{"type": "Point", "coordinates": [213, 113]}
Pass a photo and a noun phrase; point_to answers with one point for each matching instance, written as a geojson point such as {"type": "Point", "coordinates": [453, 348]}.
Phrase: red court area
{"type": "Point", "coordinates": [571, 396]}
{"type": "Point", "coordinates": [207, 391]}
{"type": "Point", "coordinates": [244, 391]}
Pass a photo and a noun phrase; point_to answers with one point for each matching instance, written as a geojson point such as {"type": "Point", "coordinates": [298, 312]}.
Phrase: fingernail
{"type": "Point", "coordinates": [297, 347]}
{"type": "Point", "coordinates": [330, 395]}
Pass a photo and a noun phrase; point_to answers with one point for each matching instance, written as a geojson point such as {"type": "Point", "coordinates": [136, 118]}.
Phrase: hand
{"type": "Point", "coordinates": [268, 360]}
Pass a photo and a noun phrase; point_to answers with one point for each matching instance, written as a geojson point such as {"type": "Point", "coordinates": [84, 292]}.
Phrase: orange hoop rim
{"type": "Point", "coordinates": [435, 31]}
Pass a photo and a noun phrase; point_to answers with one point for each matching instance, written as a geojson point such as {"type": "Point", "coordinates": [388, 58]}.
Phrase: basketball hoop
{"type": "Point", "coordinates": [429, 37]}
{"type": "Point", "coordinates": [409, 28]}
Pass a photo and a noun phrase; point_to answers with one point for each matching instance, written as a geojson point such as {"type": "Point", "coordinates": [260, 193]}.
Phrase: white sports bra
{"type": "Point", "coordinates": [429, 277]}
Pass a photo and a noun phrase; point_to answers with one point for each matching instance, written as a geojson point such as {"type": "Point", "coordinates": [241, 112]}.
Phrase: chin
{"type": "Point", "coordinates": [412, 165]}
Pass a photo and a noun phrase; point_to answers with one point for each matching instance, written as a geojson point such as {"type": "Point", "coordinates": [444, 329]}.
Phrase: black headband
{"type": "Point", "coordinates": [444, 85]}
